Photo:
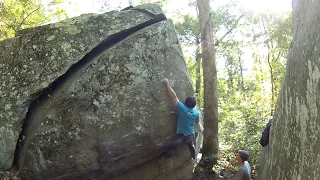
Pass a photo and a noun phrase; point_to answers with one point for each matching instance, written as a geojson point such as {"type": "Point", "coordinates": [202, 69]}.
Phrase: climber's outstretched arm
{"type": "Point", "coordinates": [172, 94]}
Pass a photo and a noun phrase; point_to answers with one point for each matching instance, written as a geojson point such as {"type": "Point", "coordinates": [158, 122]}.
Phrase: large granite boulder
{"type": "Point", "coordinates": [294, 145]}
{"type": "Point", "coordinates": [83, 98]}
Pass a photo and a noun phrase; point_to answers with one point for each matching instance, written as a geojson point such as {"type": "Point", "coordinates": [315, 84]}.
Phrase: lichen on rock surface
{"type": "Point", "coordinates": [89, 92]}
{"type": "Point", "coordinates": [294, 146]}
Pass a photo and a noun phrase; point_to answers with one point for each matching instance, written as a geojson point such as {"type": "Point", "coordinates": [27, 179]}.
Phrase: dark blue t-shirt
{"type": "Point", "coordinates": [186, 119]}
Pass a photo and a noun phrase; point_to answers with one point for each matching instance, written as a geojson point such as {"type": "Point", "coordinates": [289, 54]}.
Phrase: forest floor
{"type": "Point", "coordinates": [228, 174]}
{"type": "Point", "coordinates": [224, 170]}
{"type": "Point", "coordinates": [8, 175]}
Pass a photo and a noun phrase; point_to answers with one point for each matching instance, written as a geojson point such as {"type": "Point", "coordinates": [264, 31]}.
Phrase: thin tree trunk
{"type": "Point", "coordinates": [198, 73]}
{"type": "Point", "coordinates": [276, 90]}
{"type": "Point", "coordinates": [210, 134]}
{"type": "Point", "coordinates": [272, 83]}
{"type": "Point", "coordinates": [230, 71]}
{"type": "Point", "coordinates": [241, 71]}
{"type": "Point", "coordinates": [270, 47]}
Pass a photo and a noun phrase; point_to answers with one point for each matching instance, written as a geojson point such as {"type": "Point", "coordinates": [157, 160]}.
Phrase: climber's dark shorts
{"type": "Point", "coordinates": [189, 140]}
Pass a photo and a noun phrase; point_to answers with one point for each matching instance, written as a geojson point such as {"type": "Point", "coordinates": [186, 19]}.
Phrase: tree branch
{"type": "Point", "coordinates": [8, 25]}
{"type": "Point", "coordinates": [19, 27]}
{"type": "Point", "coordinates": [266, 33]}
{"type": "Point", "coordinates": [215, 32]}
{"type": "Point", "coordinates": [230, 30]}
{"type": "Point", "coordinates": [278, 56]}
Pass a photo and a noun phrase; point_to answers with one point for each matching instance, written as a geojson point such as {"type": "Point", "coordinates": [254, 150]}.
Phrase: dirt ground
{"type": "Point", "coordinates": [8, 175]}
{"type": "Point", "coordinates": [224, 170]}
{"type": "Point", "coordinates": [226, 175]}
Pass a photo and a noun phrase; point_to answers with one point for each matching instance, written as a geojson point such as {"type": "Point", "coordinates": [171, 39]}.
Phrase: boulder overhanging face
{"type": "Point", "coordinates": [88, 95]}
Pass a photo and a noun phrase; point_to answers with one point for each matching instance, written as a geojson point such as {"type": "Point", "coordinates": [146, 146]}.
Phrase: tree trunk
{"type": "Point", "coordinates": [294, 145]}
{"type": "Point", "coordinates": [210, 134]}
{"type": "Point", "coordinates": [230, 70]}
{"type": "Point", "coordinates": [198, 73]}
{"type": "Point", "coordinates": [272, 83]}
{"type": "Point", "coordinates": [241, 71]}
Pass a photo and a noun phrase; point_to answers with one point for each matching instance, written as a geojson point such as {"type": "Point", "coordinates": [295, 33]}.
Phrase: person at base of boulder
{"type": "Point", "coordinates": [187, 117]}
{"type": "Point", "coordinates": [244, 171]}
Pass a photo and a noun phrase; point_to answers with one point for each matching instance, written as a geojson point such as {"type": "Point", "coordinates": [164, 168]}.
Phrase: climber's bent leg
{"type": "Point", "coordinates": [171, 145]}
{"type": "Point", "coordinates": [192, 150]}
{"type": "Point", "coordinates": [190, 141]}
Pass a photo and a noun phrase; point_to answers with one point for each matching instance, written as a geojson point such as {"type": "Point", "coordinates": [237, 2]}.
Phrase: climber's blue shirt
{"type": "Point", "coordinates": [186, 119]}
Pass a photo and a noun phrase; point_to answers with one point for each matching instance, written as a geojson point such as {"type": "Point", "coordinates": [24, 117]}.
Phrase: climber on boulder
{"type": "Point", "coordinates": [187, 117]}
{"type": "Point", "coordinates": [264, 140]}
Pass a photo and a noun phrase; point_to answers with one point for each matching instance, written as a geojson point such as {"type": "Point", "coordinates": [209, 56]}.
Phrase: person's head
{"type": "Point", "coordinates": [190, 102]}
{"type": "Point", "coordinates": [242, 156]}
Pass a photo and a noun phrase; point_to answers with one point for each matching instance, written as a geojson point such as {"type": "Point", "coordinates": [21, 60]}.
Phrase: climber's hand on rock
{"type": "Point", "coordinates": [165, 81]}
{"type": "Point", "coordinates": [171, 91]}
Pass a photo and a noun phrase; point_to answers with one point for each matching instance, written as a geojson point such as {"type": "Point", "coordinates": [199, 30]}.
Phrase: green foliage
{"type": "Point", "coordinates": [244, 94]}
{"type": "Point", "coordinates": [245, 100]}
{"type": "Point", "coordinates": [241, 116]}
{"type": "Point", "coordinates": [223, 19]}
{"type": "Point", "coordinates": [21, 14]}
{"type": "Point", "coordinates": [273, 34]}
{"type": "Point", "coordinates": [159, 2]}
{"type": "Point", "coordinates": [188, 30]}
